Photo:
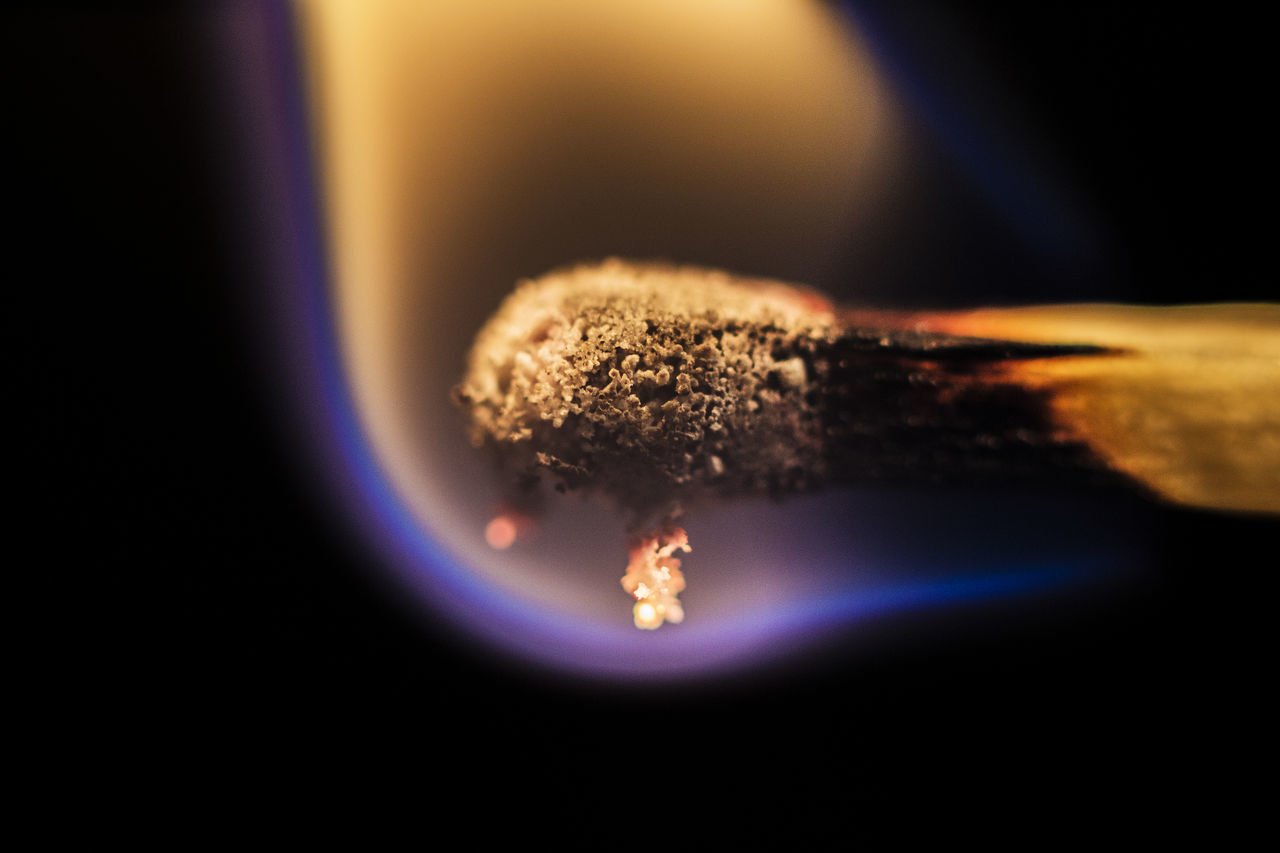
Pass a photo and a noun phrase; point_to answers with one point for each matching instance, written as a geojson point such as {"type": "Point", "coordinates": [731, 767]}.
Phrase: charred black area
{"type": "Point", "coordinates": [928, 407]}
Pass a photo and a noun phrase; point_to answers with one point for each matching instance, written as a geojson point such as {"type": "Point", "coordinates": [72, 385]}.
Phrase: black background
{"type": "Point", "coordinates": [205, 610]}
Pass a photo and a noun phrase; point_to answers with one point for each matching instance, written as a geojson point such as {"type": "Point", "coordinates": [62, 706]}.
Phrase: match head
{"type": "Point", "coordinates": [652, 384]}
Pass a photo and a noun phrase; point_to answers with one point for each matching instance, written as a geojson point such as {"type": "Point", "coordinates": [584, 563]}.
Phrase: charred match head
{"type": "Point", "coordinates": [656, 385]}
{"type": "Point", "coordinates": [652, 384]}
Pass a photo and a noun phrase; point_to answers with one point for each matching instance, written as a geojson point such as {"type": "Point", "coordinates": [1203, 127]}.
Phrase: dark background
{"type": "Point", "coordinates": [201, 595]}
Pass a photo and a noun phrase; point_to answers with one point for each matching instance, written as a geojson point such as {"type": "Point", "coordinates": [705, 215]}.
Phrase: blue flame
{"type": "Point", "coordinates": [1037, 209]}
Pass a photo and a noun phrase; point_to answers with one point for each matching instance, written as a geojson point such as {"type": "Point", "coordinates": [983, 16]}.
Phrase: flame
{"type": "Point", "coordinates": [345, 306]}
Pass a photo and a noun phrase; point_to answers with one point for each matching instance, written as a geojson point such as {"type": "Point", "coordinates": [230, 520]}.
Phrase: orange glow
{"type": "Point", "coordinates": [654, 578]}
{"type": "Point", "coordinates": [500, 533]}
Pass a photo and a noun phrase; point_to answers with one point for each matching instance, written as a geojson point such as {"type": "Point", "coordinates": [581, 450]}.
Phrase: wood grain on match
{"type": "Point", "coordinates": [1186, 401]}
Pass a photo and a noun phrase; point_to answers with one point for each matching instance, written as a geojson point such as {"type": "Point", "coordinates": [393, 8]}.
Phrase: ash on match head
{"type": "Point", "coordinates": [652, 383]}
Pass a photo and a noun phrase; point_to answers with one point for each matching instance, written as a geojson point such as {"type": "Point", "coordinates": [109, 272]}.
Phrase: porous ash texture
{"type": "Point", "coordinates": [652, 384]}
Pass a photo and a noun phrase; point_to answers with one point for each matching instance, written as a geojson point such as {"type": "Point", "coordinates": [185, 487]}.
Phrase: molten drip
{"type": "Point", "coordinates": [653, 576]}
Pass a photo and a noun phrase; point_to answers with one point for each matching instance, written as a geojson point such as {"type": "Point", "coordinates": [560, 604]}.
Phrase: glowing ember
{"type": "Point", "coordinates": [507, 528]}
{"type": "Point", "coordinates": [500, 533]}
{"type": "Point", "coordinates": [654, 579]}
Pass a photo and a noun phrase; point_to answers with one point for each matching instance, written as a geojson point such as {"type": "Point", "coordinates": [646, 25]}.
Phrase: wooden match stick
{"type": "Point", "coordinates": [658, 384]}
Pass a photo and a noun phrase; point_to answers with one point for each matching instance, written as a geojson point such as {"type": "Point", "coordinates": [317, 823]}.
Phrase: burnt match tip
{"type": "Point", "coordinates": [652, 383]}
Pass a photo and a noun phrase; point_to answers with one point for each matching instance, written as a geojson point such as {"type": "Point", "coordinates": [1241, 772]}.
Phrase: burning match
{"type": "Point", "coordinates": [659, 387]}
